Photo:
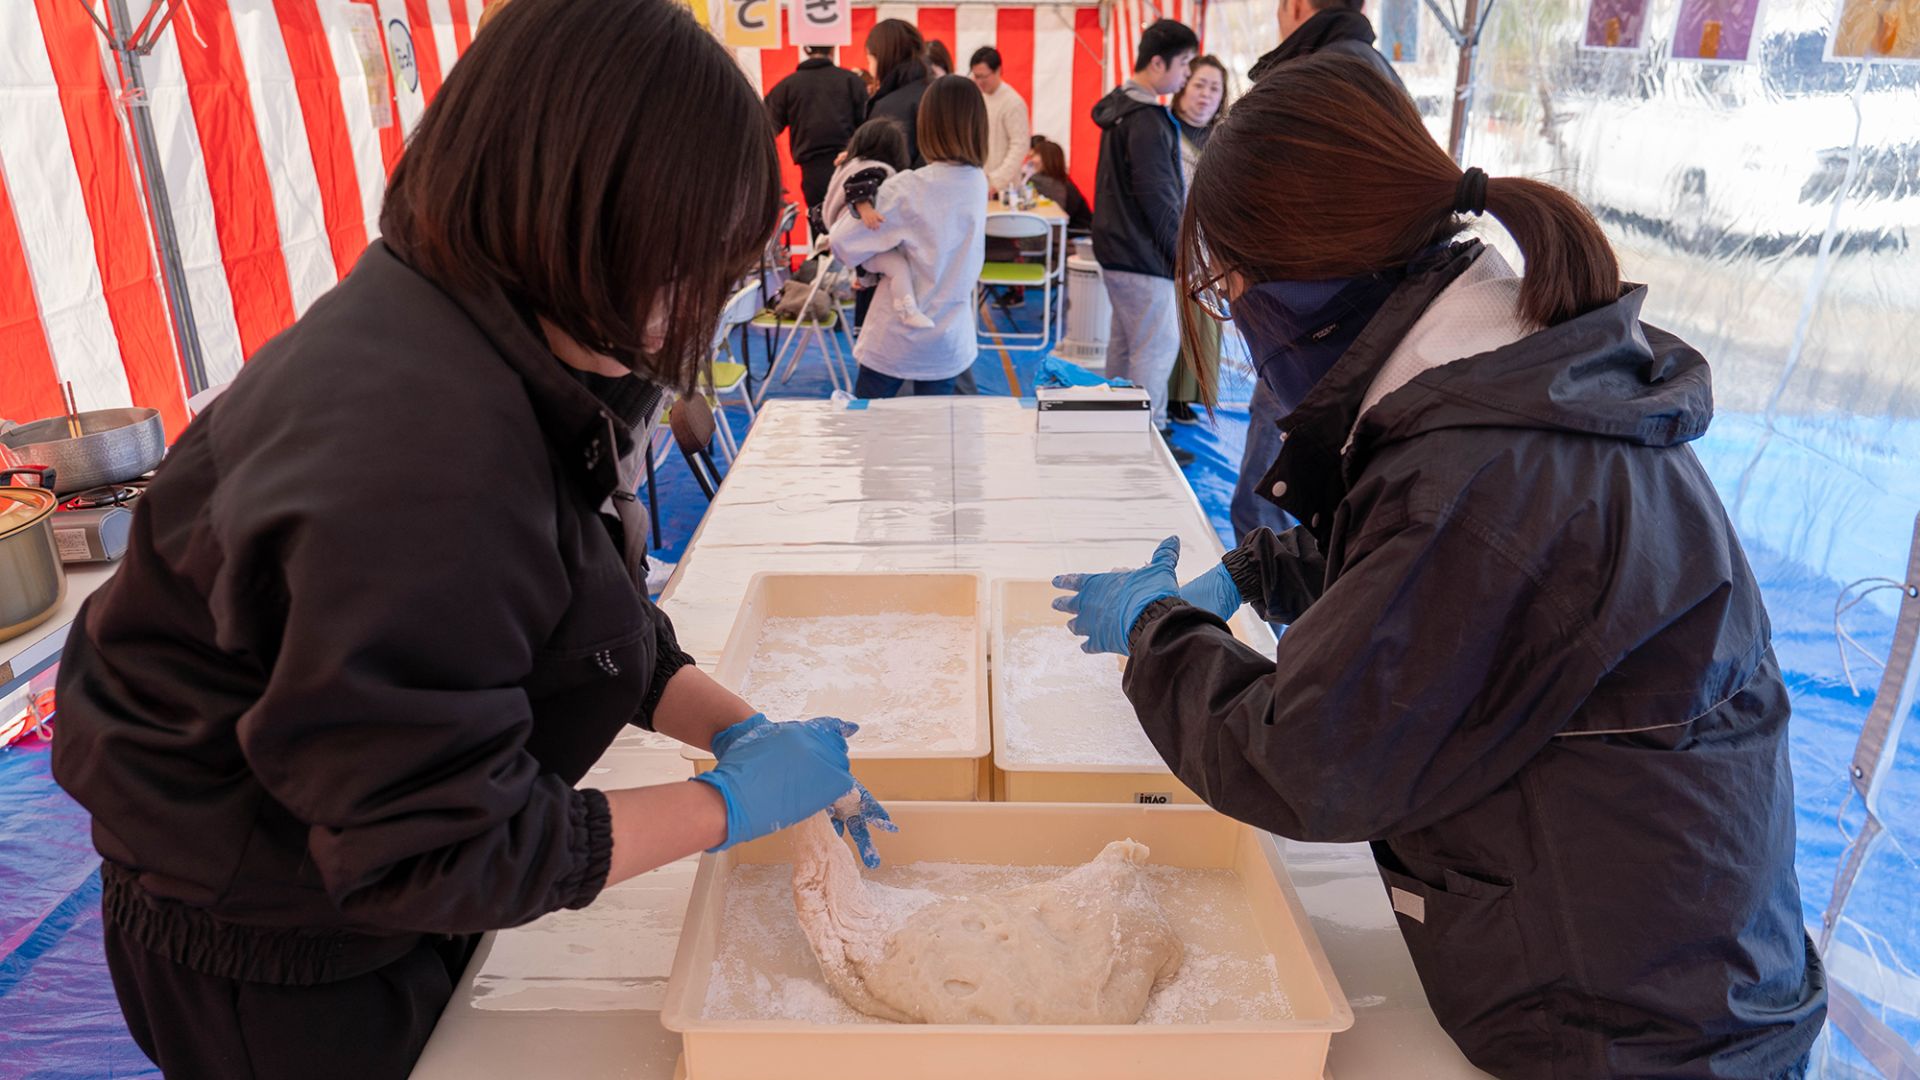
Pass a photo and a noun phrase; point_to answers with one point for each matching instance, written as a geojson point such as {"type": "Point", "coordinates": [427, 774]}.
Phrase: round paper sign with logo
{"type": "Point", "coordinates": [400, 43]}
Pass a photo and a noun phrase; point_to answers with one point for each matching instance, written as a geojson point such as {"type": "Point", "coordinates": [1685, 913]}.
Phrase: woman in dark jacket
{"type": "Point", "coordinates": [1526, 657]}
{"type": "Point", "coordinates": [1050, 178]}
{"type": "Point", "coordinates": [385, 600]}
{"type": "Point", "coordinates": [1199, 103]}
{"type": "Point", "coordinates": [897, 56]}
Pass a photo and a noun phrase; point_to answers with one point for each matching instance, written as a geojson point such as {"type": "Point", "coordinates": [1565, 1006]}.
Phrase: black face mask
{"type": "Point", "coordinates": [1297, 330]}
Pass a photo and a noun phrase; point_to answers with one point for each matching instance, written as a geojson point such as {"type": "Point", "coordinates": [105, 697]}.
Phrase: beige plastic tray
{"type": "Point", "coordinates": [1017, 605]}
{"type": "Point", "coordinates": [893, 773]}
{"type": "Point", "coordinates": [1031, 835]}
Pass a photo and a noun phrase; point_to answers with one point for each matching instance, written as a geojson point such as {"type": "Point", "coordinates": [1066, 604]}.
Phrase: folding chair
{"type": "Point", "coordinates": [731, 375]}
{"type": "Point", "coordinates": [693, 429]}
{"type": "Point", "coordinates": [803, 329]}
{"type": "Point", "coordinates": [1006, 275]}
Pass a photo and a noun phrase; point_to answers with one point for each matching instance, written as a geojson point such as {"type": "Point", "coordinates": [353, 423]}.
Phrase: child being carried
{"type": "Point", "coordinates": [877, 151]}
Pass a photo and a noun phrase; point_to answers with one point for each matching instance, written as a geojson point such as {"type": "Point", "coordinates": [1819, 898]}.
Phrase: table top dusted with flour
{"type": "Point", "coordinates": [908, 484]}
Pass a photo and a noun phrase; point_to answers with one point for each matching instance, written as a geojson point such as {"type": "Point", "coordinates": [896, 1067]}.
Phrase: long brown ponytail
{"type": "Point", "coordinates": [1325, 170]}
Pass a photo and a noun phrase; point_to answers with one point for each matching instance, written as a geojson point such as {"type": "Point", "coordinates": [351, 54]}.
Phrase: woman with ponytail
{"type": "Point", "coordinates": [1526, 657]}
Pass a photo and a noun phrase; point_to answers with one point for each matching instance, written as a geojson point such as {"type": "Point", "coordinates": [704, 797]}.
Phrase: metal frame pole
{"type": "Point", "coordinates": [1463, 80]}
{"type": "Point", "coordinates": [127, 50]}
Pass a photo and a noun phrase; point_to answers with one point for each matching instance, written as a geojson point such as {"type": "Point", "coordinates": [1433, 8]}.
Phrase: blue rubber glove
{"type": "Point", "coordinates": [1105, 606]}
{"type": "Point", "coordinates": [1214, 591]}
{"type": "Point", "coordinates": [775, 775]}
{"type": "Point", "coordinates": [859, 822]}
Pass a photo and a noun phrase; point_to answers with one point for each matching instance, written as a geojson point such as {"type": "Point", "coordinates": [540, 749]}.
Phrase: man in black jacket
{"type": "Point", "coordinates": [822, 104]}
{"type": "Point", "coordinates": [1136, 213]}
{"type": "Point", "coordinates": [1335, 26]}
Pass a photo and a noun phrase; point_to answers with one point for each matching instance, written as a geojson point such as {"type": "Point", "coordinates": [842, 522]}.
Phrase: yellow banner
{"type": "Point", "coordinates": [751, 23]}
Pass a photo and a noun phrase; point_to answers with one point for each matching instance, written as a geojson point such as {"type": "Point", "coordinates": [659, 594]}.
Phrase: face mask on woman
{"type": "Point", "coordinates": [1297, 330]}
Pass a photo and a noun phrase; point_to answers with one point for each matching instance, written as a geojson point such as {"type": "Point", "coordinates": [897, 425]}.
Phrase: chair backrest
{"type": "Point", "coordinates": [1015, 225]}
{"type": "Point", "coordinates": [692, 425]}
{"type": "Point", "coordinates": [739, 311]}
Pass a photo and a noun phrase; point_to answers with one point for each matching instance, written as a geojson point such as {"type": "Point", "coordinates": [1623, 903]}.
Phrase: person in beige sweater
{"type": "Point", "coordinates": [1008, 128]}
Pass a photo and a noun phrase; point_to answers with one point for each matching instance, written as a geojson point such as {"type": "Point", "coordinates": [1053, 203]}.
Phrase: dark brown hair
{"type": "Point", "coordinates": [952, 125]}
{"type": "Point", "coordinates": [1325, 170]}
{"type": "Point", "coordinates": [894, 42]}
{"type": "Point", "coordinates": [556, 165]}
{"type": "Point", "coordinates": [938, 56]}
{"type": "Point", "coordinates": [1053, 159]}
{"type": "Point", "coordinates": [1226, 87]}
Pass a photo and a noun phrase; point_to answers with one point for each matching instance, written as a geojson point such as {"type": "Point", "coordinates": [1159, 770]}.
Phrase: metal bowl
{"type": "Point", "coordinates": [115, 445]}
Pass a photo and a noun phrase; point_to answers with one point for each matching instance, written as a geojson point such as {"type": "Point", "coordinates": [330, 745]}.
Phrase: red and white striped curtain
{"type": "Point", "coordinates": [275, 157]}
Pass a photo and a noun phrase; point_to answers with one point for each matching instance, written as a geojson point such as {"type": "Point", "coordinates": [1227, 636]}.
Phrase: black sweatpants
{"type": "Point", "coordinates": [815, 175]}
{"type": "Point", "coordinates": [208, 1028]}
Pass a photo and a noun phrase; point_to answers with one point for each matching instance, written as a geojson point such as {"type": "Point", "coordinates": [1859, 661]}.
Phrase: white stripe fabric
{"type": "Point", "coordinates": [49, 207]}
{"type": "Point", "coordinates": [284, 147]}
{"type": "Point", "coordinates": [1053, 49]}
{"type": "Point", "coordinates": [474, 8]}
{"type": "Point", "coordinates": [406, 87]}
{"type": "Point", "coordinates": [369, 165]}
{"type": "Point", "coordinates": [185, 170]}
{"type": "Point", "coordinates": [445, 45]}
{"type": "Point", "coordinates": [907, 12]}
{"type": "Point", "coordinates": [974, 25]}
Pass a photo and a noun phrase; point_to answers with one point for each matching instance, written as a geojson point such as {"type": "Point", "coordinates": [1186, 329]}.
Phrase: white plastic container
{"type": "Point", "coordinates": [956, 766]}
{"type": "Point", "coordinates": [1029, 835]}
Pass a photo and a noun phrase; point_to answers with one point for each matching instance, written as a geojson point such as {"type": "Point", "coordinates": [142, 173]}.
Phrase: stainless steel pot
{"type": "Point", "coordinates": [32, 581]}
{"type": "Point", "coordinates": [115, 445]}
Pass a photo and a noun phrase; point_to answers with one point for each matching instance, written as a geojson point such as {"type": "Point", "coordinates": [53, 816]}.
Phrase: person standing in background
{"type": "Point", "coordinates": [1136, 214]}
{"type": "Point", "coordinates": [939, 58]}
{"type": "Point", "coordinates": [1335, 26]}
{"type": "Point", "coordinates": [1008, 129]}
{"type": "Point", "coordinates": [1196, 106]}
{"type": "Point", "coordinates": [821, 104]}
{"type": "Point", "coordinates": [897, 56]}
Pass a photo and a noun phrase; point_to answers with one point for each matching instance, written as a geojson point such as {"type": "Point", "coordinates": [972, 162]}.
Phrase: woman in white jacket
{"type": "Point", "coordinates": [936, 216]}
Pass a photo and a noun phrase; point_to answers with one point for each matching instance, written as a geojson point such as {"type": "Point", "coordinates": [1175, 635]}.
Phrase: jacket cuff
{"type": "Point", "coordinates": [592, 827]}
{"type": "Point", "coordinates": [1147, 616]}
{"type": "Point", "coordinates": [1243, 566]}
{"type": "Point", "coordinates": [667, 662]}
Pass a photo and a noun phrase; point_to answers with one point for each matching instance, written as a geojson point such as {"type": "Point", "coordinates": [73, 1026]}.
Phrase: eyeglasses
{"type": "Point", "coordinates": [1211, 297]}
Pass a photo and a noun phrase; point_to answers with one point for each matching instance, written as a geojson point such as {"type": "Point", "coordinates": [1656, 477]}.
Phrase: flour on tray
{"type": "Point", "coordinates": [1064, 706]}
{"type": "Point", "coordinates": [910, 681]}
{"type": "Point", "coordinates": [764, 970]}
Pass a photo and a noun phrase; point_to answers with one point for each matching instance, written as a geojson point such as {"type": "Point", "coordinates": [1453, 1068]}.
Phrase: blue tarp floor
{"type": "Point", "coordinates": [58, 1016]}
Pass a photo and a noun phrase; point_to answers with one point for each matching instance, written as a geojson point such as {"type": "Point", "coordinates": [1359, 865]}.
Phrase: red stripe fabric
{"type": "Point", "coordinates": [1013, 36]}
{"type": "Point", "coordinates": [318, 84]}
{"type": "Point", "coordinates": [116, 212]}
{"type": "Point", "coordinates": [462, 26]}
{"type": "Point", "coordinates": [29, 383]}
{"type": "Point", "coordinates": [1087, 89]}
{"type": "Point", "coordinates": [938, 24]}
{"type": "Point", "coordinates": [854, 56]}
{"type": "Point", "coordinates": [777, 64]}
{"type": "Point", "coordinates": [426, 55]}
{"type": "Point", "coordinates": [243, 214]}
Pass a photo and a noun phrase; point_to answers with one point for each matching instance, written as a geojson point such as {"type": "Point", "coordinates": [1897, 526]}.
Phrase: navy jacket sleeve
{"type": "Point", "coordinates": [1388, 706]}
{"type": "Point", "coordinates": [393, 725]}
{"type": "Point", "coordinates": [1153, 156]}
{"type": "Point", "coordinates": [777, 107]}
{"type": "Point", "coordinates": [1279, 575]}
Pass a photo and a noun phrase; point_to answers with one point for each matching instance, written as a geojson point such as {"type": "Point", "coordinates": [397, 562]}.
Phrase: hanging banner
{"type": "Point", "coordinates": [1886, 31]}
{"type": "Point", "coordinates": [1615, 24]}
{"type": "Point", "coordinates": [699, 10]}
{"type": "Point", "coordinates": [1717, 31]}
{"type": "Point", "coordinates": [754, 24]}
{"type": "Point", "coordinates": [364, 26]}
{"type": "Point", "coordinates": [821, 22]}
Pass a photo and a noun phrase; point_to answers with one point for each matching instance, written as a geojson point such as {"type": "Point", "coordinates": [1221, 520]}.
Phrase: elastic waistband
{"type": "Point", "coordinates": [195, 938]}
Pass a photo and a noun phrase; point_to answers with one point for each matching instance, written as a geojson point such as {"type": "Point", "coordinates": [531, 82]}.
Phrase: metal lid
{"type": "Point", "coordinates": [23, 507]}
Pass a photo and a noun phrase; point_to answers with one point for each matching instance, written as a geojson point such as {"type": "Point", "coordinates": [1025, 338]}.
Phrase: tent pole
{"type": "Point", "coordinates": [146, 153]}
{"type": "Point", "coordinates": [1463, 78]}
